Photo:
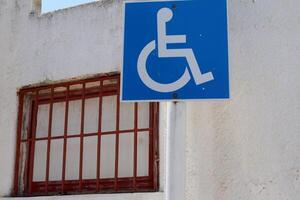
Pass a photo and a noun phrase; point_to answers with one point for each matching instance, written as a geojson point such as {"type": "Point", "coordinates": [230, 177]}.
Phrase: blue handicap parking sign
{"type": "Point", "coordinates": [175, 50]}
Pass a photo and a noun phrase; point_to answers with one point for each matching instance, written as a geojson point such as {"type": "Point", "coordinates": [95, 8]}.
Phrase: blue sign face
{"type": "Point", "coordinates": [175, 50]}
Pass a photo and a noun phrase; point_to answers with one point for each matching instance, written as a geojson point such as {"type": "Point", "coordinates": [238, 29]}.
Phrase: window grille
{"type": "Point", "coordinates": [76, 137]}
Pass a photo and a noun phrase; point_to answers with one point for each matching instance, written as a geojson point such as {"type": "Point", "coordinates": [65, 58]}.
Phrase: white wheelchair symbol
{"type": "Point", "coordinates": [165, 15]}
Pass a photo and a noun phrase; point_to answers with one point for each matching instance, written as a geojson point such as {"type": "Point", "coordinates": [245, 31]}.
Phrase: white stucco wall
{"type": "Point", "coordinates": [245, 148]}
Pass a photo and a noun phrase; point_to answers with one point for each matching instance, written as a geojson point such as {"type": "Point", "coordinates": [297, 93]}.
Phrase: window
{"type": "Point", "coordinates": [52, 5]}
{"type": "Point", "coordinates": [76, 137]}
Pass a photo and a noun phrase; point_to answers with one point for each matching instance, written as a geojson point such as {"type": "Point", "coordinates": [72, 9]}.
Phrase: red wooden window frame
{"type": "Point", "coordinates": [98, 185]}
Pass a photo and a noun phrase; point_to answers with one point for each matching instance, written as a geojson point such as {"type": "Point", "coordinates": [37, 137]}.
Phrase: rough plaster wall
{"type": "Point", "coordinates": [8, 98]}
{"type": "Point", "coordinates": [248, 147]}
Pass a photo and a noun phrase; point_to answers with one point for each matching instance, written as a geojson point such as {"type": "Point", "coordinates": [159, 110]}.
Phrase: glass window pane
{"type": "Point", "coordinates": [42, 121]}
{"type": "Point", "coordinates": [91, 115]}
{"type": "Point", "coordinates": [58, 119]}
{"type": "Point", "coordinates": [72, 162]}
{"type": "Point", "coordinates": [126, 149]}
{"type": "Point", "coordinates": [143, 154]}
{"type": "Point", "coordinates": [143, 120]}
{"type": "Point", "coordinates": [107, 165]}
{"type": "Point", "coordinates": [126, 116]}
{"type": "Point", "coordinates": [40, 156]}
{"type": "Point", "coordinates": [56, 157]}
{"type": "Point", "coordinates": [109, 109]}
{"type": "Point", "coordinates": [74, 117]}
{"type": "Point", "coordinates": [90, 157]}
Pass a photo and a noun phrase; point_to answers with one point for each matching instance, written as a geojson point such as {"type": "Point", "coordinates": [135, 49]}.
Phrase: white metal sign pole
{"type": "Point", "coordinates": [175, 150]}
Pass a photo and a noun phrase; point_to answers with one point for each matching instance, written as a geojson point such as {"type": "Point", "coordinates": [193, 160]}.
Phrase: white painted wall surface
{"type": "Point", "coordinates": [246, 148]}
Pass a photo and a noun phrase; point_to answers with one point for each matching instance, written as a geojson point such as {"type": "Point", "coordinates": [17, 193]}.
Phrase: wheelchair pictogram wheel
{"type": "Point", "coordinates": [152, 84]}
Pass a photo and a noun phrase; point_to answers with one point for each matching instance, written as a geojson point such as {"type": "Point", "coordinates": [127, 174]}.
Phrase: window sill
{"type": "Point", "coordinates": [120, 196]}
